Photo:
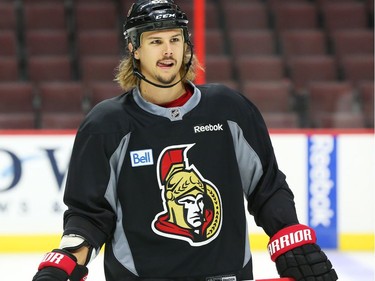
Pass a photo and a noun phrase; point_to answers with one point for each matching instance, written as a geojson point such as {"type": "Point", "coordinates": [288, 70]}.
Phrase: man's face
{"type": "Point", "coordinates": [193, 209]}
{"type": "Point", "coordinates": [161, 55]}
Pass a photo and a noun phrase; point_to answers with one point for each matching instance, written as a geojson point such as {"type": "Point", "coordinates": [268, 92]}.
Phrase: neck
{"type": "Point", "coordinates": [158, 95]}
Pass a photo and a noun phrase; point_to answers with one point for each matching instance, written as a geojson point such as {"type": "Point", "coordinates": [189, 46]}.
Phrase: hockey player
{"type": "Point", "coordinates": [159, 174]}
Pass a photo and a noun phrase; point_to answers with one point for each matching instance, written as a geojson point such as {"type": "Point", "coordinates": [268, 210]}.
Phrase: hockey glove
{"type": "Point", "coordinates": [60, 265]}
{"type": "Point", "coordinates": [297, 255]}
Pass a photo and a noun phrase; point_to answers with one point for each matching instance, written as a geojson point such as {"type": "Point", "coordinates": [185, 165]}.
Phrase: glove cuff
{"type": "Point", "coordinates": [289, 238]}
{"type": "Point", "coordinates": [65, 261]}
{"type": "Point", "coordinates": [59, 259]}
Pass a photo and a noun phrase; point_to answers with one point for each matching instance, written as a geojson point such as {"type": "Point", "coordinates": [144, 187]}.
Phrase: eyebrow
{"type": "Point", "coordinates": [152, 37]}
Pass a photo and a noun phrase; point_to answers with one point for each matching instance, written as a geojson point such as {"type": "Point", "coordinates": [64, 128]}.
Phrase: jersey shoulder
{"type": "Point", "coordinates": [109, 115]}
{"type": "Point", "coordinates": [221, 96]}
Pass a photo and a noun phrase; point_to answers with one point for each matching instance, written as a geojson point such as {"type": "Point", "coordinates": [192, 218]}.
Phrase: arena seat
{"type": "Point", "coordinates": [218, 68]}
{"type": "Point", "coordinates": [49, 68]}
{"type": "Point", "coordinates": [61, 104]}
{"type": "Point", "coordinates": [344, 15]}
{"type": "Point", "coordinates": [214, 42]}
{"type": "Point", "coordinates": [47, 42]}
{"type": "Point", "coordinates": [353, 42]}
{"type": "Point", "coordinates": [260, 68]}
{"type": "Point", "coordinates": [95, 15]}
{"type": "Point", "coordinates": [17, 106]}
{"type": "Point", "coordinates": [99, 91]}
{"type": "Point", "coordinates": [8, 43]}
{"type": "Point", "coordinates": [98, 42]}
{"type": "Point", "coordinates": [270, 96]}
{"type": "Point", "coordinates": [8, 18]}
{"type": "Point", "coordinates": [279, 120]}
{"type": "Point", "coordinates": [252, 42]}
{"type": "Point", "coordinates": [349, 120]}
{"type": "Point", "coordinates": [331, 102]}
{"type": "Point", "coordinates": [306, 69]}
{"type": "Point", "coordinates": [303, 42]}
{"type": "Point", "coordinates": [246, 16]}
{"type": "Point", "coordinates": [295, 15]}
{"type": "Point", "coordinates": [9, 70]}
{"type": "Point", "coordinates": [61, 120]}
{"type": "Point", "coordinates": [241, 1]}
{"type": "Point", "coordinates": [45, 1]}
{"type": "Point", "coordinates": [99, 68]}
{"type": "Point", "coordinates": [47, 15]}
{"type": "Point", "coordinates": [331, 96]}
{"type": "Point", "coordinates": [321, 3]}
{"type": "Point", "coordinates": [61, 96]}
{"type": "Point", "coordinates": [358, 68]}
{"type": "Point", "coordinates": [275, 4]}
{"type": "Point", "coordinates": [275, 101]}
{"type": "Point", "coordinates": [366, 96]}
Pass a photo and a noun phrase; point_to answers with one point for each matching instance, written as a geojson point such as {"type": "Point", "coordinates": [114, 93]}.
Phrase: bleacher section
{"type": "Point", "coordinates": [304, 63]}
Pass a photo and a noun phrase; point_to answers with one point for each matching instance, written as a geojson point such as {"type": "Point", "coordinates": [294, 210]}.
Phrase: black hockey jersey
{"type": "Point", "coordinates": [164, 188]}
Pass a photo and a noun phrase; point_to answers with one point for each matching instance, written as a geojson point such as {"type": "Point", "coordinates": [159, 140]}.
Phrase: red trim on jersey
{"type": "Point", "coordinates": [163, 225]}
{"type": "Point", "coordinates": [181, 100]}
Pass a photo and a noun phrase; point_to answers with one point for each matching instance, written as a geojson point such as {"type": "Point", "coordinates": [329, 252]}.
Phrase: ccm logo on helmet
{"type": "Point", "coordinates": [208, 128]}
{"type": "Point", "coordinates": [165, 16]}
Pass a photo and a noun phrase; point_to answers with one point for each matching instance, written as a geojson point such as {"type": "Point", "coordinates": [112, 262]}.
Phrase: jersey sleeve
{"type": "Point", "coordinates": [271, 201]}
{"type": "Point", "coordinates": [88, 214]}
{"type": "Point", "coordinates": [91, 175]}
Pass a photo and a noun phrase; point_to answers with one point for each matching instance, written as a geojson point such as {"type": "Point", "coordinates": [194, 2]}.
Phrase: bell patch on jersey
{"type": "Point", "coordinates": [141, 157]}
{"type": "Point", "coordinates": [192, 204]}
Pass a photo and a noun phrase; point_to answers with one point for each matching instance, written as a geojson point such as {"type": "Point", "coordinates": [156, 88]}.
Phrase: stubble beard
{"type": "Point", "coordinates": [166, 80]}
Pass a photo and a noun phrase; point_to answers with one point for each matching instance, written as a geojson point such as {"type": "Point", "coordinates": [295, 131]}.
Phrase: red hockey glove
{"type": "Point", "coordinates": [60, 265]}
{"type": "Point", "coordinates": [297, 255]}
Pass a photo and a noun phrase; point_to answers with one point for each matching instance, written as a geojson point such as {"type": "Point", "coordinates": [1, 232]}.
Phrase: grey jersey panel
{"type": "Point", "coordinates": [249, 163]}
{"type": "Point", "coordinates": [250, 168]}
{"type": "Point", "coordinates": [120, 244]}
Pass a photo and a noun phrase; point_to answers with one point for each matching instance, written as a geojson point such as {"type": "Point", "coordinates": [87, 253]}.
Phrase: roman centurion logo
{"type": "Point", "coordinates": [192, 204]}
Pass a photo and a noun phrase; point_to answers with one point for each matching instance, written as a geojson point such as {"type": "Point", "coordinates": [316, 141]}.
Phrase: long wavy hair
{"type": "Point", "coordinates": [127, 80]}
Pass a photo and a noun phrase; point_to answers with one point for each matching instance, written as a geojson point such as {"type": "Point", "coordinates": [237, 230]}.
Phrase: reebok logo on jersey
{"type": "Point", "coordinates": [141, 158]}
{"type": "Point", "coordinates": [208, 128]}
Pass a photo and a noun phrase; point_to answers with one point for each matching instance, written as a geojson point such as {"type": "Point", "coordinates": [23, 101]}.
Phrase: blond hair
{"type": "Point", "coordinates": [127, 80]}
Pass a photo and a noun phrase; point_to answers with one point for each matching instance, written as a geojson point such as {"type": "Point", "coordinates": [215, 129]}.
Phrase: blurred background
{"type": "Point", "coordinates": [305, 63]}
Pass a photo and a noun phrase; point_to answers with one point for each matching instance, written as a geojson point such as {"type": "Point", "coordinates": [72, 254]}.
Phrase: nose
{"type": "Point", "coordinates": [168, 49]}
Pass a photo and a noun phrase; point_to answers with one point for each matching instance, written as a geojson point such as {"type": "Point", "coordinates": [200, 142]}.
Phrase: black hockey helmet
{"type": "Point", "coordinates": [148, 15]}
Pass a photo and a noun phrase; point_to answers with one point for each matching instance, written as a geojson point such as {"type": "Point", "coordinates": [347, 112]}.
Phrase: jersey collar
{"type": "Point", "coordinates": [172, 113]}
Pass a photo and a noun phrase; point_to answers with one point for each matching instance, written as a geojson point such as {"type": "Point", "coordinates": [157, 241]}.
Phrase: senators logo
{"type": "Point", "coordinates": [192, 204]}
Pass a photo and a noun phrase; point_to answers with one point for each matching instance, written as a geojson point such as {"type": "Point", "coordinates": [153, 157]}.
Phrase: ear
{"type": "Point", "coordinates": [136, 55]}
{"type": "Point", "coordinates": [130, 47]}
